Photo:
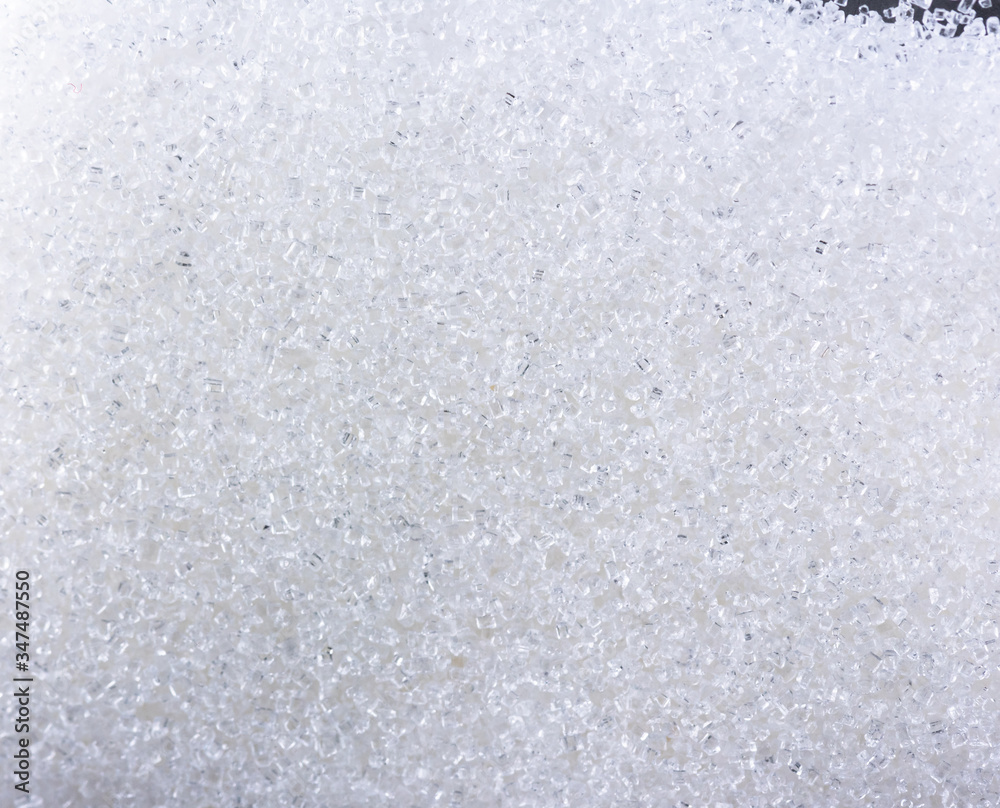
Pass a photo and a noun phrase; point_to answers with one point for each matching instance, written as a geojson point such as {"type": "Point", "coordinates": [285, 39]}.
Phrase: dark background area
{"type": "Point", "coordinates": [946, 17]}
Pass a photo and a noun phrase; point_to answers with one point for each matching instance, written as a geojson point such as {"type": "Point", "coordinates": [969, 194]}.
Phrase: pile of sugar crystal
{"type": "Point", "coordinates": [538, 404]}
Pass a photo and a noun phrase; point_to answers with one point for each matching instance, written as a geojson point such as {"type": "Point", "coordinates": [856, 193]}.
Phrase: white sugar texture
{"type": "Point", "coordinates": [484, 404]}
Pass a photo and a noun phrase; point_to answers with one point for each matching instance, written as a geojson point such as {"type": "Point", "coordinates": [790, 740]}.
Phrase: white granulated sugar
{"type": "Point", "coordinates": [484, 404]}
